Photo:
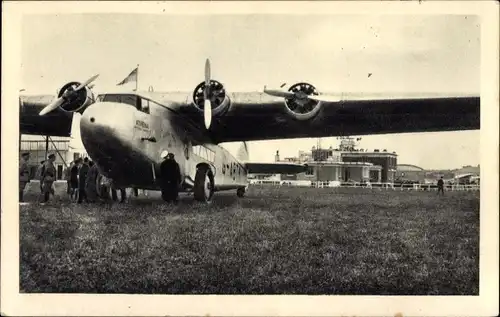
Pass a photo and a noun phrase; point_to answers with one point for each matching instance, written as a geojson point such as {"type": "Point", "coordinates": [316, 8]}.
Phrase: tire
{"type": "Point", "coordinates": [240, 192]}
{"type": "Point", "coordinates": [203, 184]}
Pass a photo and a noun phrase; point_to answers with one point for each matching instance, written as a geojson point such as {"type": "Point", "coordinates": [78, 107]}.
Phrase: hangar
{"type": "Point", "coordinates": [409, 172]}
{"type": "Point", "coordinates": [40, 147]}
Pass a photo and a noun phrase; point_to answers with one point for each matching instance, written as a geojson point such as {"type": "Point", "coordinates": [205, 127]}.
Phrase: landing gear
{"type": "Point", "coordinates": [240, 192]}
{"type": "Point", "coordinates": [114, 194]}
{"type": "Point", "coordinates": [203, 184]}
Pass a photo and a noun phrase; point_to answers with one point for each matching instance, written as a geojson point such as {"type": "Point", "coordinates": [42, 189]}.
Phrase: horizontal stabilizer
{"type": "Point", "coordinates": [275, 168]}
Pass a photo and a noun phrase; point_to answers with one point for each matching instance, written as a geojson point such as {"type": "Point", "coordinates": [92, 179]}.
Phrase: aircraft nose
{"type": "Point", "coordinates": [106, 126]}
{"type": "Point", "coordinates": [107, 117]}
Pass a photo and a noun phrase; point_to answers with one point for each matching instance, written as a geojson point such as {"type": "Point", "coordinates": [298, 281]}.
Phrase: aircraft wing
{"type": "Point", "coordinates": [55, 123]}
{"type": "Point", "coordinates": [262, 117]}
{"type": "Point", "coordinates": [274, 168]}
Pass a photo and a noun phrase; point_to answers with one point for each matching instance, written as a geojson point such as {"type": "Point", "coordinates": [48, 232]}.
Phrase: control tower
{"type": "Point", "coordinates": [348, 144]}
{"type": "Point", "coordinates": [387, 160]}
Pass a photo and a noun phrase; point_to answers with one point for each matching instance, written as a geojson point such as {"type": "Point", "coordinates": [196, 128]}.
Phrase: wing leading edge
{"type": "Point", "coordinates": [56, 123]}
{"type": "Point", "coordinates": [268, 119]}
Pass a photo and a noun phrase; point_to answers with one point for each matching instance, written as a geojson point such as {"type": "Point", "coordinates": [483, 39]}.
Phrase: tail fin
{"type": "Point", "coordinates": [243, 155]}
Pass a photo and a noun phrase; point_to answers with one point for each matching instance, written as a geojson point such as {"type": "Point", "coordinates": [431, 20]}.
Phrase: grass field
{"type": "Point", "coordinates": [274, 241]}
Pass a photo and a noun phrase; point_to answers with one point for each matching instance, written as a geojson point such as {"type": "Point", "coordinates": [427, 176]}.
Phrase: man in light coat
{"type": "Point", "coordinates": [24, 175]}
{"type": "Point", "coordinates": [48, 177]}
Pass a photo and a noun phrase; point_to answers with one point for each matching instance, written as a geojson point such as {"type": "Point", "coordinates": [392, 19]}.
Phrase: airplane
{"type": "Point", "coordinates": [125, 133]}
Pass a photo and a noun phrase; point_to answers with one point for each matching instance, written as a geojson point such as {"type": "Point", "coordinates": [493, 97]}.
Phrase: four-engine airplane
{"type": "Point", "coordinates": [125, 133]}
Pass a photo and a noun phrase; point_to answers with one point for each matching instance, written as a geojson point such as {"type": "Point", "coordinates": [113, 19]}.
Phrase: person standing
{"type": "Point", "coordinates": [24, 175]}
{"type": "Point", "coordinates": [170, 177]}
{"type": "Point", "coordinates": [48, 177]}
{"type": "Point", "coordinates": [67, 178]}
{"type": "Point", "coordinates": [73, 179]}
{"type": "Point", "coordinates": [440, 184]}
{"type": "Point", "coordinates": [39, 173]}
{"type": "Point", "coordinates": [90, 182]}
{"type": "Point", "coordinates": [82, 177]}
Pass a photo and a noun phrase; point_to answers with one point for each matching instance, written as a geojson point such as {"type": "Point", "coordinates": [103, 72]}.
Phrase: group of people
{"type": "Point", "coordinates": [46, 173]}
{"type": "Point", "coordinates": [81, 177]}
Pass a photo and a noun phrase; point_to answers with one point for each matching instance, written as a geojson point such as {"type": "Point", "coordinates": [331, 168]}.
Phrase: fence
{"type": "Point", "coordinates": [380, 186]}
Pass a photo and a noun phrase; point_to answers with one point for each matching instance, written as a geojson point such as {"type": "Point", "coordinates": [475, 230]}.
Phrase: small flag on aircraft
{"type": "Point", "coordinates": [130, 78]}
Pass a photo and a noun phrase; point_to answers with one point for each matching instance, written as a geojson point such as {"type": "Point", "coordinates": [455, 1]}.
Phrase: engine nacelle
{"type": "Point", "coordinates": [301, 107]}
{"type": "Point", "coordinates": [218, 96]}
{"type": "Point", "coordinates": [76, 102]}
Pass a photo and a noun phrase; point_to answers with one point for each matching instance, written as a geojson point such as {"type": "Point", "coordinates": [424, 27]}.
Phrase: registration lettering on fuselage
{"type": "Point", "coordinates": [141, 125]}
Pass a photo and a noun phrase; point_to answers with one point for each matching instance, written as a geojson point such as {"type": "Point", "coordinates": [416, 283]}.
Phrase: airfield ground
{"type": "Point", "coordinates": [274, 241]}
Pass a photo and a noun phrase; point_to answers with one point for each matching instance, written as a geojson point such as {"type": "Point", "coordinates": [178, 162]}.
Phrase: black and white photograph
{"type": "Point", "coordinates": [208, 148]}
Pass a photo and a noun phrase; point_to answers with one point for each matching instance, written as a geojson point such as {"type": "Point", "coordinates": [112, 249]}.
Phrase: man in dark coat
{"type": "Point", "coordinates": [82, 177]}
{"type": "Point", "coordinates": [73, 179]}
{"type": "Point", "coordinates": [170, 177]}
{"type": "Point", "coordinates": [90, 183]}
{"type": "Point", "coordinates": [67, 176]}
{"type": "Point", "coordinates": [440, 186]}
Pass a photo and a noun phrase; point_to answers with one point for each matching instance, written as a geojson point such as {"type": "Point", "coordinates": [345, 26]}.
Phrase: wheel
{"type": "Point", "coordinates": [240, 192]}
{"type": "Point", "coordinates": [203, 184]}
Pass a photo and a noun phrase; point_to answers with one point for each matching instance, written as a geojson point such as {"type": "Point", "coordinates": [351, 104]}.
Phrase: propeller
{"type": "Point", "coordinates": [279, 93]}
{"type": "Point", "coordinates": [65, 96]}
{"type": "Point", "coordinates": [300, 93]}
{"type": "Point", "coordinates": [325, 98]}
{"type": "Point", "coordinates": [207, 109]}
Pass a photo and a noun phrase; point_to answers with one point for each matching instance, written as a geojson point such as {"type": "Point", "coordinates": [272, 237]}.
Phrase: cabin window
{"type": "Point", "coordinates": [143, 105]}
{"type": "Point", "coordinates": [204, 153]}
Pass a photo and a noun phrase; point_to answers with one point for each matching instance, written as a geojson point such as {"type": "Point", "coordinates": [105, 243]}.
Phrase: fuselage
{"type": "Point", "coordinates": [125, 135]}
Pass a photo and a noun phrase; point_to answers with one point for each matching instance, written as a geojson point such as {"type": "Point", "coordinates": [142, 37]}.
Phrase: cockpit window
{"type": "Point", "coordinates": [121, 98]}
{"type": "Point", "coordinates": [137, 102]}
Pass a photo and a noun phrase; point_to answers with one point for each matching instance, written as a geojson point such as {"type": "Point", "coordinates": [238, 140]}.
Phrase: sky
{"type": "Point", "coordinates": [405, 54]}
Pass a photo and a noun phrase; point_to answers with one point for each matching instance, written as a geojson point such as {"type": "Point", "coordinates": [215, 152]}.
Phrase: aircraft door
{"type": "Point", "coordinates": [143, 128]}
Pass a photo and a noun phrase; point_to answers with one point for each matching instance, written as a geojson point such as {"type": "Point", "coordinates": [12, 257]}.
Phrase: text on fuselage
{"type": "Point", "coordinates": [141, 125]}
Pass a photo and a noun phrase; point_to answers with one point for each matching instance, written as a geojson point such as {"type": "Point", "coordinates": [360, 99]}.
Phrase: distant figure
{"type": "Point", "coordinates": [441, 186]}
{"type": "Point", "coordinates": [170, 177]}
{"type": "Point", "coordinates": [73, 179]}
{"type": "Point", "coordinates": [48, 178]}
{"type": "Point", "coordinates": [90, 183]}
{"type": "Point", "coordinates": [82, 177]}
{"type": "Point", "coordinates": [24, 175]}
